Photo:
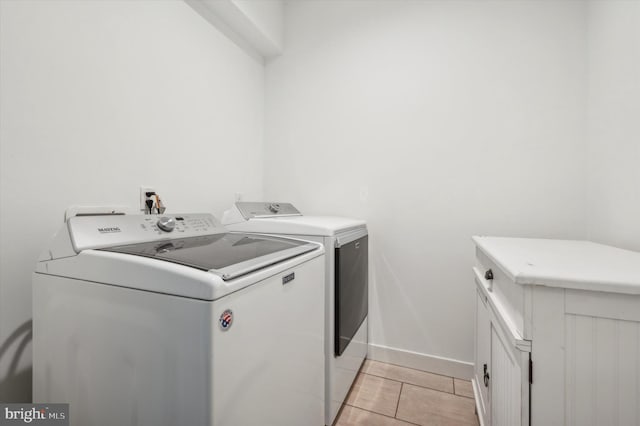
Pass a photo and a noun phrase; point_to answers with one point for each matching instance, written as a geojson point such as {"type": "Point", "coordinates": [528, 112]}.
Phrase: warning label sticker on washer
{"type": "Point", "coordinates": [226, 319]}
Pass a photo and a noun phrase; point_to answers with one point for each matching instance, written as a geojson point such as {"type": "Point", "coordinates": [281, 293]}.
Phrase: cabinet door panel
{"type": "Point", "coordinates": [483, 356]}
{"type": "Point", "coordinates": [506, 381]}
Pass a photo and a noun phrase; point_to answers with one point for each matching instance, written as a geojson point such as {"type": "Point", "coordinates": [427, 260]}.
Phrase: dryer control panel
{"type": "Point", "coordinates": [266, 209]}
{"type": "Point", "coordinates": [90, 232]}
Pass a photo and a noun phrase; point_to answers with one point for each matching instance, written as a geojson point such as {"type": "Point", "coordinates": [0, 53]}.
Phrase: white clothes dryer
{"type": "Point", "coordinates": [171, 320]}
{"type": "Point", "coordinates": [346, 284]}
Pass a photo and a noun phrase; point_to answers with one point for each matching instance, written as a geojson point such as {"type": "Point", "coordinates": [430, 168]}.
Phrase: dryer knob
{"type": "Point", "coordinates": [274, 207]}
{"type": "Point", "coordinates": [166, 223]}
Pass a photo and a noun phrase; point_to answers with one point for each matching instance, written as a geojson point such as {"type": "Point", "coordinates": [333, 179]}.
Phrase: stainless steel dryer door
{"type": "Point", "coordinates": [351, 289]}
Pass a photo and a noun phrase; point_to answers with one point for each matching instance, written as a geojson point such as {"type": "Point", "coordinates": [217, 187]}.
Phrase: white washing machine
{"type": "Point", "coordinates": [346, 298]}
{"type": "Point", "coordinates": [146, 320]}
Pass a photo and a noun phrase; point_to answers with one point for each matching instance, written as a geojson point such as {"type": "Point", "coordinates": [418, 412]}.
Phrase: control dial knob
{"type": "Point", "coordinates": [274, 207]}
{"type": "Point", "coordinates": [166, 223]}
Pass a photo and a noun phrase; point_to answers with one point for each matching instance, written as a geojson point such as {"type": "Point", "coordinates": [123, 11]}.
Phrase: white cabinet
{"type": "Point", "coordinates": [558, 328]}
{"type": "Point", "coordinates": [501, 375]}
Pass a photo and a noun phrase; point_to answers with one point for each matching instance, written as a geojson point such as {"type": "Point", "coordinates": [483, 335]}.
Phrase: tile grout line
{"type": "Point", "coordinates": [413, 384]}
{"type": "Point", "coordinates": [414, 369]}
{"type": "Point", "coordinates": [459, 394]}
{"type": "Point", "coordinates": [437, 390]}
{"type": "Point", "coordinates": [431, 389]}
{"type": "Point", "coordinates": [398, 404]}
{"type": "Point", "coordinates": [468, 397]}
{"type": "Point", "coordinates": [380, 414]}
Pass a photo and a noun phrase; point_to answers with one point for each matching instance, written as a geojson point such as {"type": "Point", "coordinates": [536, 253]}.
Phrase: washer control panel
{"type": "Point", "coordinates": [179, 223]}
{"type": "Point", "coordinates": [88, 232]}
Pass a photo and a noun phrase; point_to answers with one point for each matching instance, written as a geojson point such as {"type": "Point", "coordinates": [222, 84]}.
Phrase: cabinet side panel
{"type": "Point", "coordinates": [606, 371]}
{"type": "Point", "coordinates": [603, 373]}
{"type": "Point", "coordinates": [548, 351]}
{"type": "Point", "coordinates": [629, 373]}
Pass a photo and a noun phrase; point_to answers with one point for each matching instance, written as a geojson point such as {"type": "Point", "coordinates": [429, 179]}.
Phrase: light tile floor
{"type": "Point", "coordinates": [390, 395]}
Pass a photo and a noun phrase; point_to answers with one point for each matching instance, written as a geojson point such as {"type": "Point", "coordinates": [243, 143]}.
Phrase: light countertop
{"type": "Point", "coordinates": [564, 263]}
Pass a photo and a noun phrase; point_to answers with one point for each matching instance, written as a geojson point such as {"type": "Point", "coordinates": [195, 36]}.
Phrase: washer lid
{"type": "Point", "coordinates": [228, 255]}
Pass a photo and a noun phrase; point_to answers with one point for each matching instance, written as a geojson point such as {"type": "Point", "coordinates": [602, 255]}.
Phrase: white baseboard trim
{"type": "Point", "coordinates": [477, 398]}
{"type": "Point", "coordinates": [419, 361]}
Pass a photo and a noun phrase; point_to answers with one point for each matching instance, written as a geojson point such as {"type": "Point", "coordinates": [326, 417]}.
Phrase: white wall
{"type": "Point", "coordinates": [434, 121]}
{"type": "Point", "coordinates": [267, 16]}
{"type": "Point", "coordinates": [255, 26]}
{"type": "Point", "coordinates": [614, 123]}
{"type": "Point", "coordinates": [98, 98]}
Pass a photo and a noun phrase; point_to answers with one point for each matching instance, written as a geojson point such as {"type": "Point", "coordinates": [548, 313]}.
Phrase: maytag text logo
{"type": "Point", "coordinates": [109, 229]}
